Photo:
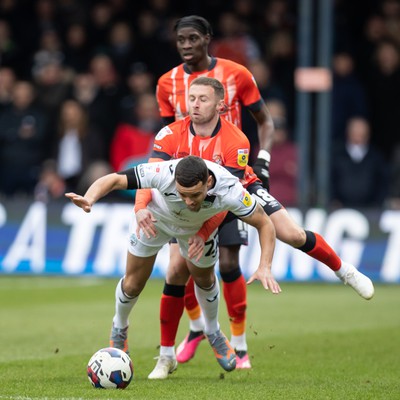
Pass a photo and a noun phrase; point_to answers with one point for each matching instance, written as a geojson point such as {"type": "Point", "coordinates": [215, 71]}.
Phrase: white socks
{"type": "Point", "coordinates": [123, 306]}
{"type": "Point", "coordinates": [239, 342]}
{"type": "Point", "coordinates": [167, 351]}
{"type": "Point", "coordinates": [209, 302]}
{"type": "Point", "coordinates": [341, 272]}
{"type": "Point", "coordinates": [197, 325]}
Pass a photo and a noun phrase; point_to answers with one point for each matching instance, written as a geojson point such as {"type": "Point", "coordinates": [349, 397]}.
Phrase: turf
{"type": "Point", "coordinates": [313, 341]}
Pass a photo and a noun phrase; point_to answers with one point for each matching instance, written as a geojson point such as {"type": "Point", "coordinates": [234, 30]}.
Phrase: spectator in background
{"type": "Point", "coordinates": [277, 16]}
{"type": "Point", "coordinates": [155, 42]}
{"type": "Point", "coordinates": [268, 90]}
{"type": "Point", "coordinates": [22, 140]}
{"type": "Point", "coordinates": [53, 85]}
{"type": "Point", "coordinates": [77, 157]}
{"type": "Point", "coordinates": [108, 96]}
{"type": "Point", "coordinates": [233, 42]}
{"type": "Point", "coordinates": [132, 142]}
{"type": "Point", "coordinates": [247, 12]}
{"type": "Point", "coordinates": [139, 81]}
{"type": "Point", "coordinates": [50, 50]}
{"type": "Point", "coordinates": [100, 21]}
{"type": "Point", "coordinates": [384, 96]}
{"type": "Point", "coordinates": [7, 83]}
{"type": "Point", "coordinates": [391, 14]}
{"type": "Point", "coordinates": [77, 49]}
{"type": "Point", "coordinates": [10, 51]}
{"type": "Point", "coordinates": [121, 48]}
{"type": "Point", "coordinates": [374, 32]}
{"type": "Point", "coordinates": [348, 94]}
{"type": "Point", "coordinates": [359, 171]}
{"type": "Point", "coordinates": [280, 56]}
{"type": "Point", "coordinates": [284, 153]}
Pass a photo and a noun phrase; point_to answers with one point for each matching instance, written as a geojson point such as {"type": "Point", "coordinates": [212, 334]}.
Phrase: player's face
{"type": "Point", "coordinates": [192, 45]}
{"type": "Point", "coordinates": [193, 196]}
{"type": "Point", "coordinates": [204, 105]}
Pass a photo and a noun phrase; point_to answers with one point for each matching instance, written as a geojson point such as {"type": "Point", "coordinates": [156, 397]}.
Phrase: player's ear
{"type": "Point", "coordinates": [209, 181]}
{"type": "Point", "coordinates": [221, 107]}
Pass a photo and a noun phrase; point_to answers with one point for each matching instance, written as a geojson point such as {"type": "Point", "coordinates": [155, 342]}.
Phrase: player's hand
{"type": "Point", "coordinates": [145, 221]}
{"type": "Point", "coordinates": [266, 278]}
{"type": "Point", "coordinates": [79, 201]}
{"type": "Point", "coordinates": [196, 247]}
{"type": "Point", "coordinates": [261, 167]}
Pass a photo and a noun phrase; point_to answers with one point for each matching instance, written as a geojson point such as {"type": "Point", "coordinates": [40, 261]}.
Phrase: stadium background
{"type": "Point", "coordinates": [41, 234]}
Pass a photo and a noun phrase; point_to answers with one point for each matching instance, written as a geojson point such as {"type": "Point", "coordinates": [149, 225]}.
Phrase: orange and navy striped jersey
{"type": "Point", "coordinates": [239, 84]}
{"type": "Point", "coordinates": [227, 146]}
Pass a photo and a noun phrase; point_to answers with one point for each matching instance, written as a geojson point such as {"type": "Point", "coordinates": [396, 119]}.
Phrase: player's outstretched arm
{"type": "Point", "coordinates": [266, 232]}
{"type": "Point", "coordinates": [100, 188]}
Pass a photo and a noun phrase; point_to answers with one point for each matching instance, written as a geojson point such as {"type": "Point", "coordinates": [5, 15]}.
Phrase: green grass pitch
{"type": "Point", "coordinates": [313, 341]}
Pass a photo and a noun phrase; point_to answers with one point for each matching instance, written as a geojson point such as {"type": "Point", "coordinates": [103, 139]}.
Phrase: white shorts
{"type": "Point", "coordinates": [146, 247]}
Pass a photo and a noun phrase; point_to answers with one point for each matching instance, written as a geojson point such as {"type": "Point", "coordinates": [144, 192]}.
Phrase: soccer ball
{"type": "Point", "coordinates": [110, 368]}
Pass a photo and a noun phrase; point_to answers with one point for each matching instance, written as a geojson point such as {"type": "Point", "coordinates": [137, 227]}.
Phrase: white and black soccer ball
{"type": "Point", "coordinates": [110, 368]}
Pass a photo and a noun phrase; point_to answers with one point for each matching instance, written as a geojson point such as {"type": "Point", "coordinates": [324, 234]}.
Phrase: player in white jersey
{"type": "Point", "coordinates": [186, 193]}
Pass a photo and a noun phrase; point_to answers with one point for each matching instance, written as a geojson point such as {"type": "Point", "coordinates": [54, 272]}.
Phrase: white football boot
{"type": "Point", "coordinates": [349, 275]}
{"type": "Point", "coordinates": [165, 365]}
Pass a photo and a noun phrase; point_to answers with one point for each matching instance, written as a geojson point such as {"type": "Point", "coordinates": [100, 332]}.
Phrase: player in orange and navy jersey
{"type": "Point", "coordinates": [227, 144]}
{"type": "Point", "coordinates": [193, 37]}
{"type": "Point", "coordinates": [239, 84]}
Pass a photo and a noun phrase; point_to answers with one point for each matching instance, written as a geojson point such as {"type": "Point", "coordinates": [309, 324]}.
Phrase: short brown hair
{"type": "Point", "coordinates": [214, 83]}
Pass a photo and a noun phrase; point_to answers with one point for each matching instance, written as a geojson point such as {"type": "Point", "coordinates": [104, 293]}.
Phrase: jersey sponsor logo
{"type": "Point", "coordinates": [246, 199]}
{"type": "Point", "coordinates": [166, 194]}
{"type": "Point", "coordinates": [157, 146]}
{"type": "Point", "coordinates": [163, 132]}
{"type": "Point", "coordinates": [243, 157]}
{"type": "Point", "coordinates": [141, 170]}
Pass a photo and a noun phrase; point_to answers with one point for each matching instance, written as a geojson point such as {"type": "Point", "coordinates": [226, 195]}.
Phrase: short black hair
{"type": "Point", "coordinates": [196, 22]}
{"type": "Point", "coordinates": [190, 171]}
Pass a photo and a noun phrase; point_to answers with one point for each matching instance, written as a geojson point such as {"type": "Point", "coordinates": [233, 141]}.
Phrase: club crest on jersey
{"type": "Point", "coordinates": [217, 159]}
{"type": "Point", "coordinates": [246, 199]}
{"type": "Point", "coordinates": [163, 132]}
{"type": "Point", "coordinates": [206, 204]}
{"type": "Point", "coordinates": [243, 157]}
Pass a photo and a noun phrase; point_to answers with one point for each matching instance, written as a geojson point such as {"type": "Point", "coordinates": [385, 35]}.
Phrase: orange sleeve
{"type": "Point", "coordinates": [247, 87]}
{"type": "Point", "coordinates": [162, 93]}
{"type": "Point", "coordinates": [211, 225]}
{"type": "Point", "coordinates": [143, 196]}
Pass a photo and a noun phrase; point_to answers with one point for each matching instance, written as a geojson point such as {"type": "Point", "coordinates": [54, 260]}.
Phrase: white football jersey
{"type": "Point", "coordinates": [168, 208]}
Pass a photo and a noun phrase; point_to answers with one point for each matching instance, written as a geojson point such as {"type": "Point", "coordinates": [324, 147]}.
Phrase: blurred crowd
{"type": "Point", "coordinates": [78, 78]}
